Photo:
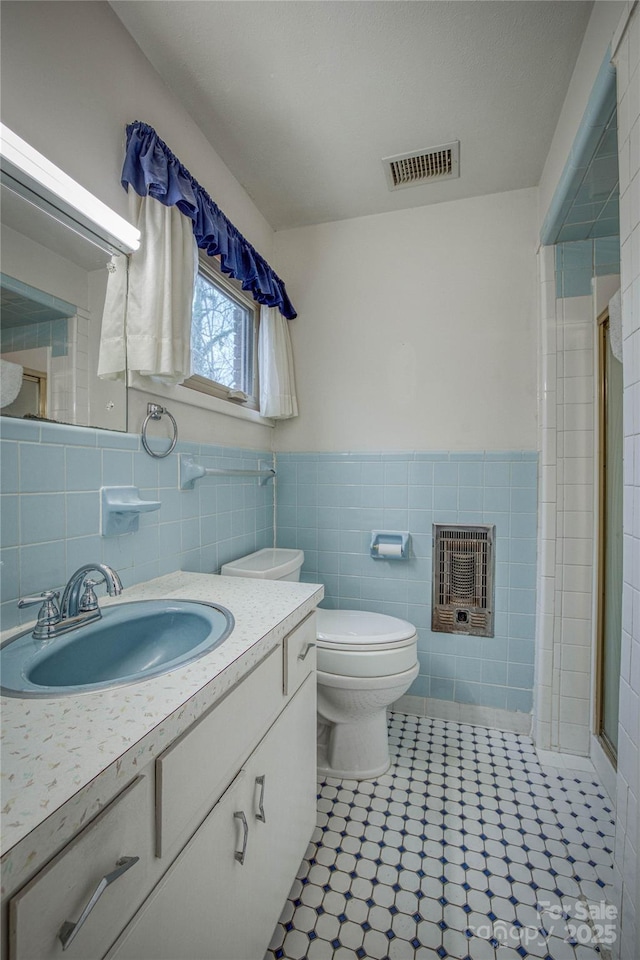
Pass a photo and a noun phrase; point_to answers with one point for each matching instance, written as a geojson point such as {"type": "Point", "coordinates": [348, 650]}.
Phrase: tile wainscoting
{"type": "Point", "coordinates": [50, 509]}
{"type": "Point", "coordinates": [328, 504]}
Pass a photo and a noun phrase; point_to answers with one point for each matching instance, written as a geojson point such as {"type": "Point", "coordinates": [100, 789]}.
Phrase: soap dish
{"type": "Point", "coordinates": [121, 509]}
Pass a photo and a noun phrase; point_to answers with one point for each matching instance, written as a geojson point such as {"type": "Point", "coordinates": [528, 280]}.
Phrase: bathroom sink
{"type": "Point", "coordinates": [131, 642]}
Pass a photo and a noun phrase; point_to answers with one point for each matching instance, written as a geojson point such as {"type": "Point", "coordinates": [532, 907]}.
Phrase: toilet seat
{"type": "Point", "coordinates": [358, 643]}
{"type": "Point", "coordinates": [357, 628]}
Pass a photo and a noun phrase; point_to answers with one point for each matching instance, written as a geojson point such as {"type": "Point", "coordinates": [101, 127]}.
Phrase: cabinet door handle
{"type": "Point", "coordinates": [240, 854]}
{"type": "Point", "coordinates": [260, 815]}
{"type": "Point", "coordinates": [308, 648]}
{"type": "Point", "coordinates": [68, 930]}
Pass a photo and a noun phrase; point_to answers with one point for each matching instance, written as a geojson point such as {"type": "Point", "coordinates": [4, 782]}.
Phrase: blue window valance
{"type": "Point", "coordinates": [152, 169]}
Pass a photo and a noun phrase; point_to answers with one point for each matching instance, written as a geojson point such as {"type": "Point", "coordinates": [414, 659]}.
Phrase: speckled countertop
{"type": "Point", "coordinates": [82, 747]}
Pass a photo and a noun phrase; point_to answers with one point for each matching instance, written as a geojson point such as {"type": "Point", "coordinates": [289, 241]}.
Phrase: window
{"type": "Point", "coordinates": [224, 330]}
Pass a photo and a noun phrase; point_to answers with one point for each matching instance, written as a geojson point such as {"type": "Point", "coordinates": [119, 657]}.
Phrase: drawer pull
{"type": "Point", "coordinates": [240, 854]}
{"type": "Point", "coordinates": [309, 647]}
{"type": "Point", "coordinates": [260, 815]}
{"type": "Point", "coordinates": [68, 930]}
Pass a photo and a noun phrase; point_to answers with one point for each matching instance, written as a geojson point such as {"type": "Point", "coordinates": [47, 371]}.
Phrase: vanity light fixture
{"type": "Point", "coordinates": [28, 173]}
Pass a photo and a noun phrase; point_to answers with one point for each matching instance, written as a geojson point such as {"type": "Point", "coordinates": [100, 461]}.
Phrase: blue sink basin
{"type": "Point", "coordinates": [132, 642]}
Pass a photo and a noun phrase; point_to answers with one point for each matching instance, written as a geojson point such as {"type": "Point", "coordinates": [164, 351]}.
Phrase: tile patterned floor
{"type": "Point", "coordinates": [466, 848]}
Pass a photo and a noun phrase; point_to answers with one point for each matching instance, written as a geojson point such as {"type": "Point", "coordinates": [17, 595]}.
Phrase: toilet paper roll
{"type": "Point", "coordinates": [391, 550]}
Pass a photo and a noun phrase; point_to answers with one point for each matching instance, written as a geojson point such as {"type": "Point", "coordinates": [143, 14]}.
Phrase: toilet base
{"type": "Point", "coordinates": [354, 751]}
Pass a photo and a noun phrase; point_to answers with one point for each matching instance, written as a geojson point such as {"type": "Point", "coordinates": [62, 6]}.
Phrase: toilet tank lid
{"type": "Point", "coordinates": [272, 563]}
{"type": "Point", "coordinates": [361, 626]}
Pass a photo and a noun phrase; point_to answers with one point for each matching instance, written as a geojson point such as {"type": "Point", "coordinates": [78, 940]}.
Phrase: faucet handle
{"type": "Point", "coordinates": [46, 597]}
{"type": "Point", "coordinates": [48, 615]}
{"type": "Point", "coordinates": [88, 600]}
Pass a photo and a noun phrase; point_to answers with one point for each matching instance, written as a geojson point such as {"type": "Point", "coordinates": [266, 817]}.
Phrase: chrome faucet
{"type": "Point", "coordinates": [79, 602]}
{"type": "Point", "coordinates": [78, 596]}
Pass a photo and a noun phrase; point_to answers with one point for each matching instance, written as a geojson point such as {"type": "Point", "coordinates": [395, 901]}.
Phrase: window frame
{"type": "Point", "coordinates": [209, 268]}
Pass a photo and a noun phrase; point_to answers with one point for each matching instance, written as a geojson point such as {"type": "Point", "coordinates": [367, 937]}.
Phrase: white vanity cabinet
{"type": "Point", "coordinates": [219, 822]}
{"type": "Point", "coordinates": [222, 897]}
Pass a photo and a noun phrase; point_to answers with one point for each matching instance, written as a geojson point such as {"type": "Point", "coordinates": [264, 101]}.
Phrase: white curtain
{"type": "Point", "coordinates": [146, 325]}
{"type": "Point", "coordinates": [275, 359]}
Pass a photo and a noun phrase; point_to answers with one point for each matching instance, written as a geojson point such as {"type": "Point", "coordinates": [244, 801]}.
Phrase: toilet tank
{"type": "Point", "coordinates": [272, 563]}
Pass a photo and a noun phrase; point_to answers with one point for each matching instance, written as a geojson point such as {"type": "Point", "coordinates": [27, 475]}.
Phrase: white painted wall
{"type": "Point", "coordinates": [72, 78]}
{"type": "Point", "coordinates": [602, 23]}
{"type": "Point", "coordinates": [416, 329]}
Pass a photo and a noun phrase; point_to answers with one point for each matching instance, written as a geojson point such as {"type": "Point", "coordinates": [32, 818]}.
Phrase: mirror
{"type": "Point", "coordinates": [56, 242]}
{"type": "Point", "coordinates": [53, 282]}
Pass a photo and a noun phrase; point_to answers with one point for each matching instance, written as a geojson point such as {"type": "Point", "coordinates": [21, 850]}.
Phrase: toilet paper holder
{"type": "Point", "coordinates": [389, 545]}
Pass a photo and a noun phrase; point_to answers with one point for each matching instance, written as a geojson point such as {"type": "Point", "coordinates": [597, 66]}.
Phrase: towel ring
{"type": "Point", "coordinates": [156, 412]}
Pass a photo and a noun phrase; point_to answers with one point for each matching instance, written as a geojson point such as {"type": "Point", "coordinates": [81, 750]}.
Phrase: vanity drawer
{"type": "Point", "coordinates": [299, 654]}
{"type": "Point", "coordinates": [199, 765]}
{"type": "Point", "coordinates": [58, 895]}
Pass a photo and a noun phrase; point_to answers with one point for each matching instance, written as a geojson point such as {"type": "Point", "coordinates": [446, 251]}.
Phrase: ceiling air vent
{"type": "Point", "coordinates": [423, 166]}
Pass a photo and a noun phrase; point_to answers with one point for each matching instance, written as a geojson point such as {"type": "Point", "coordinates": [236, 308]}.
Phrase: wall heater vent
{"type": "Point", "coordinates": [422, 166]}
{"type": "Point", "coordinates": [463, 579]}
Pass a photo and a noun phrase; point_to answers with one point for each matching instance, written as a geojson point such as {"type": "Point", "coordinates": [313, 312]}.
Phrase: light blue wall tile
{"type": "Point", "coordinates": [445, 474]}
{"type": "Point", "coordinates": [440, 688]}
{"type": "Point", "coordinates": [497, 499]}
{"type": "Point", "coordinates": [9, 466]}
{"type": "Point", "coordinates": [497, 474]}
{"type": "Point", "coordinates": [522, 651]}
{"type": "Point", "coordinates": [83, 468]}
{"type": "Point", "coordinates": [117, 468]}
{"type": "Point", "coordinates": [523, 551]}
{"type": "Point", "coordinates": [471, 474]}
{"type": "Point", "coordinates": [421, 473]}
{"type": "Point", "coordinates": [522, 626]}
{"type": "Point", "coordinates": [524, 474]}
{"type": "Point", "coordinates": [396, 472]}
{"type": "Point", "coordinates": [42, 468]}
{"type": "Point", "coordinates": [14, 429]}
{"type": "Point", "coordinates": [67, 435]}
{"type": "Point", "coordinates": [42, 567]}
{"type": "Point", "coordinates": [444, 498]}
{"type": "Point", "coordinates": [522, 575]}
{"type": "Point", "coordinates": [81, 550]}
{"type": "Point", "coordinates": [10, 576]}
{"type": "Point", "coordinates": [493, 672]}
{"type": "Point", "coordinates": [468, 668]}
{"type": "Point", "coordinates": [42, 517]}
{"type": "Point", "coordinates": [519, 700]}
{"type": "Point", "coordinates": [9, 520]}
{"type": "Point", "coordinates": [521, 675]}
{"type": "Point", "coordinates": [443, 665]}
{"type": "Point", "coordinates": [470, 498]}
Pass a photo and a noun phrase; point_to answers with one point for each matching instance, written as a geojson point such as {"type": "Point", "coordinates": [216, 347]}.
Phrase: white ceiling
{"type": "Point", "coordinates": [303, 99]}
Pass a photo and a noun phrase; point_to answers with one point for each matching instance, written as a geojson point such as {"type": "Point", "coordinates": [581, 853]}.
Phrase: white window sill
{"type": "Point", "coordinates": [194, 398]}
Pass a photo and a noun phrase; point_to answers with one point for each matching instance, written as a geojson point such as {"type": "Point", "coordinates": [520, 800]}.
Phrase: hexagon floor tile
{"type": "Point", "coordinates": [467, 848]}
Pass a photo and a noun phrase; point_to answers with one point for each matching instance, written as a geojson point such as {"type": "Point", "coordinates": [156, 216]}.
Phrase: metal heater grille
{"type": "Point", "coordinates": [463, 579]}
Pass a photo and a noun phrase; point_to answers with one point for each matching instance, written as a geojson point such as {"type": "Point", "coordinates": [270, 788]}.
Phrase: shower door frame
{"type": "Point", "coordinates": [602, 336]}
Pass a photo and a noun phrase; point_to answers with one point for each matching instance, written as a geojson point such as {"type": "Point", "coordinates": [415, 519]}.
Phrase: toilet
{"type": "Point", "coordinates": [365, 661]}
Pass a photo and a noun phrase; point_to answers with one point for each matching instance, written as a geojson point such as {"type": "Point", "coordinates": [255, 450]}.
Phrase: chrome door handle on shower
{"type": "Point", "coordinates": [240, 854]}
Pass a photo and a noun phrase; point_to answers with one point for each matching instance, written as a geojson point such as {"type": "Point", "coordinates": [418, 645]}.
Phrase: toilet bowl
{"type": "Point", "coordinates": [365, 661]}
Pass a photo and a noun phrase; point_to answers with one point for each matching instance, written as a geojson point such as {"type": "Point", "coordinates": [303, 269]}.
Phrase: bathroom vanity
{"type": "Point", "coordinates": [187, 800]}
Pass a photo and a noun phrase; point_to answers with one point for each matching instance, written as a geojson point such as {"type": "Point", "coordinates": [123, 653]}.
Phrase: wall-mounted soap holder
{"type": "Point", "coordinates": [121, 509]}
{"type": "Point", "coordinates": [389, 545]}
